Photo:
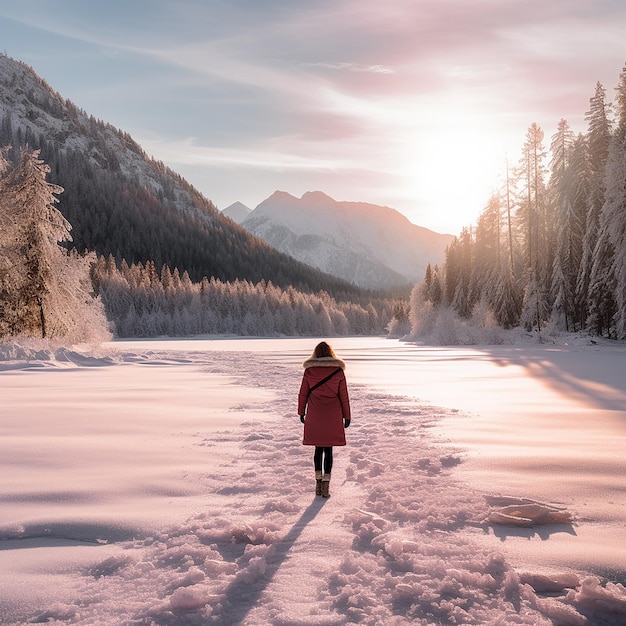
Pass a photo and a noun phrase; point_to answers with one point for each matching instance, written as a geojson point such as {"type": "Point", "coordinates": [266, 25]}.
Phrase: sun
{"type": "Point", "coordinates": [453, 172]}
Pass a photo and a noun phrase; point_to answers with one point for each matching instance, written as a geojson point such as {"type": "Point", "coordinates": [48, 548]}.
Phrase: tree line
{"type": "Point", "coordinates": [140, 216]}
{"type": "Point", "coordinates": [142, 301]}
{"type": "Point", "coordinates": [549, 249]}
{"type": "Point", "coordinates": [49, 290]}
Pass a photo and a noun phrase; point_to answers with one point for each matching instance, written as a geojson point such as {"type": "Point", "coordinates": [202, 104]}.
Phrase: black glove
{"type": "Point", "coordinates": [346, 422]}
{"type": "Point", "coordinates": [302, 418]}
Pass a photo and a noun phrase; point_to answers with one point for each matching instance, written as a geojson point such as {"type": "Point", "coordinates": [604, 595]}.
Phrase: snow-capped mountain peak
{"type": "Point", "coordinates": [369, 245]}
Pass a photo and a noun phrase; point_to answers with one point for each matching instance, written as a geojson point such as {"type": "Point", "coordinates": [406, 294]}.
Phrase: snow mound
{"type": "Point", "coordinates": [28, 353]}
{"type": "Point", "coordinates": [526, 513]}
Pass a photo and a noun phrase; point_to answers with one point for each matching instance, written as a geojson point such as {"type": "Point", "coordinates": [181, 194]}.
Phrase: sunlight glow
{"type": "Point", "coordinates": [455, 171]}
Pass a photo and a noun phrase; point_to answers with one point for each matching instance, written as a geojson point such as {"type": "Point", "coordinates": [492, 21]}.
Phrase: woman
{"type": "Point", "coordinates": [324, 398]}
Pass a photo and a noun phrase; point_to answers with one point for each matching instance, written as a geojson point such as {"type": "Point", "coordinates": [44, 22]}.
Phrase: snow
{"type": "Point", "coordinates": [164, 482]}
{"type": "Point", "coordinates": [370, 245]}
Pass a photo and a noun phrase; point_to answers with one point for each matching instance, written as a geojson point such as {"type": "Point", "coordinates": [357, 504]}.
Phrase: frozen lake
{"type": "Point", "coordinates": [538, 421]}
{"type": "Point", "coordinates": [106, 449]}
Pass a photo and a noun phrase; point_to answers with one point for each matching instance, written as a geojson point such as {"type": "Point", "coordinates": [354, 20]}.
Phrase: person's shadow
{"type": "Point", "coordinates": [241, 596]}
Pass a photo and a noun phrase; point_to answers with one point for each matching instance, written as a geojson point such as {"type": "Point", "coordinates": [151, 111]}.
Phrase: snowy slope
{"type": "Point", "coordinates": [31, 105]}
{"type": "Point", "coordinates": [369, 245]}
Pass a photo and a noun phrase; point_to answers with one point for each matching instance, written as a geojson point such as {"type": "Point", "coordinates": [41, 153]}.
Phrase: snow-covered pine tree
{"type": "Point", "coordinates": [578, 194]}
{"type": "Point", "coordinates": [44, 291]}
{"type": "Point", "coordinates": [433, 290]}
{"type": "Point", "coordinates": [507, 298]}
{"type": "Point", "coordinates": [598, 137]}
{"type": "Point", "coordinates": [532, 219]}
{"type": "Point", "coordinates": [567, 240]}
{"type": "Point", "coordinates": [613, 217]}
{"type": "Point", "coordinates": [459, 271]}
{"type": "Point", "coordinates": [487, 251]}
{"type": "Point", "coordinates": [601, 292]}
{"type": "Point", "coordinates": [32, 229]}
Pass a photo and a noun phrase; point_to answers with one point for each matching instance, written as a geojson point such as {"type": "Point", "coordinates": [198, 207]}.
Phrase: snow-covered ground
{"type": "Point", "coordinates": [163, 482]}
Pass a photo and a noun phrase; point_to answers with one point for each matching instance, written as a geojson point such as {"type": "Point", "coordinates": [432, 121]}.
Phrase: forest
{"type": "Point", "coordinates": [120, 201]}
{"type": "Point", "coordinates": [144, 302]}
{"type": "Point", "coordinates": [92, 226]}
{"type": "Point", "coordinates": [548, 252]}
{"type": "Point", "coordinates": [49, 290]}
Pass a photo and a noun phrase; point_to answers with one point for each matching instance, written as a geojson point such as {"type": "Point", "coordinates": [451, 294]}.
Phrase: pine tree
{"type": "Point", "coordinates": [487, 255]}
{"type": "Point", "coordinates": [507, 298]}
{"type": "Point", "coordinates": [459, 271]}
{"type": "Point", "coordinates": [533, 221]}
{"type": "Point", "coordinates": [598, 137]}
{"type": "Point", "coordinates": [613, 217]}
{"type": "Point", "coordinates": [578, 192]}
{"type": "Point", "coordinates": [566, 257]}
{"type": "Point", "coordinates": [432, 287]}
{"type": "Point", "coordinates": [45, 291]}
{"type": "Point", "coordinates": [33, 230]}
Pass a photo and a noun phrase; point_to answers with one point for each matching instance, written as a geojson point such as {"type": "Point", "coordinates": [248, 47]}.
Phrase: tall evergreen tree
{"type": "Point", "coordinates": [566, 256]}
{"type": "Point", "coordinates": [33, 230]}
{"type": "Point", "coordinates": [45, 291]}
{"type": "Point", "coordinates": [578, 191]}
{"type": "Point", "coordinates": [533, 218]}
{"type": "Point", "coordinates": [507, 298]}
{"type": "Point", "coordinates": [459, 273]}
{"type": "Point", "coordinates": [487, 258]}
{"type": "Point", "coordinates": [598, 137]}
{"type": "Point", "coordinates": [613, 217]}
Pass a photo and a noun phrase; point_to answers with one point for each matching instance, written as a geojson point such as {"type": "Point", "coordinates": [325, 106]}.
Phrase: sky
{"type": "Point", "coordinates": [413, 104]}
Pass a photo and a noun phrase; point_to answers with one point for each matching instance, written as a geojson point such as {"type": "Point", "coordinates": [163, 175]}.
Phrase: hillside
{"type": "Point", "coordinates": [371, 246]}
{"type": "Point", "coordinates": [121, 202]}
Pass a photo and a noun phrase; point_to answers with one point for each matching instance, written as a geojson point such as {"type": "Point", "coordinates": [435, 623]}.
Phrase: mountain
{"type": "Point", "coordinates": [122, 203]}
{"type": "Point", "coordinates": [371, 246]}
{"type": "Point", "coordinates": [237, 212]}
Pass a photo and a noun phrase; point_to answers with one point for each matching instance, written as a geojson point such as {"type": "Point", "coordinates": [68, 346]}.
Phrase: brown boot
{"type": "Point", "coordinates": [326, 486]}
{"type": "Point", "coordinates": [318, 483]}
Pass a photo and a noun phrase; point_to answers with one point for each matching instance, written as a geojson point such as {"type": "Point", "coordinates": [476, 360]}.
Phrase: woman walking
{"type": "Point", "coordinates": [324, 399]}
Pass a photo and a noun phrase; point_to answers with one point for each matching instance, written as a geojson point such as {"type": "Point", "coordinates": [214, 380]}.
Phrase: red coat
{"type": "Point", "coordinates": [327, 406]}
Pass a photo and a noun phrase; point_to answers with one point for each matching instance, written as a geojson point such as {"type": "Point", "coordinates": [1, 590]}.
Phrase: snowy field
{"type": "Point", "coordinates": [163, 482]}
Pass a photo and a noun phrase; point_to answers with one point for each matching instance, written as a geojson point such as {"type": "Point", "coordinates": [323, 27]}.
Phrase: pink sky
{"type": "Point", "coordinates": [412, 104]}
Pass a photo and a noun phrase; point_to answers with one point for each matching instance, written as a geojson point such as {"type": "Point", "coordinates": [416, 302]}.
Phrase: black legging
{"type": "Point", "coordinates": [327, 453]}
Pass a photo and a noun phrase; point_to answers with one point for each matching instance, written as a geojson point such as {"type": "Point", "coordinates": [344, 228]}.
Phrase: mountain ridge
{"type": "Point", "coordinates": [122, 203]}
{"type": "Point", "coordinates": [369, 245]}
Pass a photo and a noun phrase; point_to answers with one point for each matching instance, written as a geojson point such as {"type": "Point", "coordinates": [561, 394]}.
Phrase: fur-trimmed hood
{"type": "Point", "coordinates": [325, 361]}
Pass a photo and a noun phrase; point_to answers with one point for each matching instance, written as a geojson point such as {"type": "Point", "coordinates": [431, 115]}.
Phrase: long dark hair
{"type": "Point", "coordinates": [322, 350]}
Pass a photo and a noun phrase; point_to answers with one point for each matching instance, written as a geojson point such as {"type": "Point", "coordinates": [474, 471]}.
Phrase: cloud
{"type": "Point", "coordinates": [354, 67]}
{"type": "Point", "coordinates": [189, 152]}
{"type": "Point", "coordinates": [325, 86]}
